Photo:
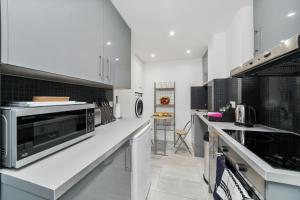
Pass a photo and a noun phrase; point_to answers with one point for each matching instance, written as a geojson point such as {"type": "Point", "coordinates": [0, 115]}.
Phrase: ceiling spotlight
{"type": "Point", "coordinates": [117, 59]}
{"type": "Point", "coordinates": [152, 55]}
{"type": "Point", "coordinates": [188, 51]}
{"type": "Point", "coordinates": [172, 33]}
{"type": "Point", "coordinates": [291, 14]}
{"type": "Point", "coordinates": [108, 43]}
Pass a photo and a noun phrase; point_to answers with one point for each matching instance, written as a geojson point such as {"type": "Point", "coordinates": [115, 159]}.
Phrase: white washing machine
{"type": "Point", "coordinates": [131, 103]}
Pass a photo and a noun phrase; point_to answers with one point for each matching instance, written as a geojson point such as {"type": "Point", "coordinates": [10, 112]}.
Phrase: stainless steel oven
{"type": "Point", "coordinates": [253, 183]}
{"type": "Point", "coordinates": [32, 133]}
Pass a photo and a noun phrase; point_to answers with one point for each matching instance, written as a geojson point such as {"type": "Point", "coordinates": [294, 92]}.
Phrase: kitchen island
{"type": "Point", "coordinates": [51, 177]}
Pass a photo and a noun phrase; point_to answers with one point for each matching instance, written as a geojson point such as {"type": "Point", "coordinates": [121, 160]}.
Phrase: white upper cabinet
{"type": "Point", "coordinates": [117, 48]}
{"type": "Point", "coordinates": [274, 22]}
{"type": "Point", "coordinates": [64, 37]}
{"type": "Point", "coordinates": [57, 36]}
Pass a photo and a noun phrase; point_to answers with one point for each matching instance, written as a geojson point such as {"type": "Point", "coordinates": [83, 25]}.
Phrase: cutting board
{"type": "Point", "coordinates": [50, 99]}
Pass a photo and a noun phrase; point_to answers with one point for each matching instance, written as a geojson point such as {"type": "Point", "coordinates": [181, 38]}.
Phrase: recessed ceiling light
{"type": "Point", "coordinates": [117, 59]}
{"type": "Point", "coordinates": [172, 33]}
{"type": "Point", "coordinates": [153, 55]}
{"type": "Point", "coordinates": [188, 51]}
{"type": "Point", "coordinates": [291, 14]}
{"type": "Point", "coordinates": [108, 43]}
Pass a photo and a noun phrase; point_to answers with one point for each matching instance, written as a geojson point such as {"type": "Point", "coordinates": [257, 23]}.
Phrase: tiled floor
{"type": "Point", "coordinates": [178, 177]}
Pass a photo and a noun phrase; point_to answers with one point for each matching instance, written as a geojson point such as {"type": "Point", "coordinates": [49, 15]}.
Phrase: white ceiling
{"type": "Point", "coordinates": [194, 21]}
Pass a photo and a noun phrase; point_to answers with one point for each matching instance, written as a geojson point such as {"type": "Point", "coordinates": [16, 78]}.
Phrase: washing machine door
{"type": "Point", "coordinates": [139, 107]}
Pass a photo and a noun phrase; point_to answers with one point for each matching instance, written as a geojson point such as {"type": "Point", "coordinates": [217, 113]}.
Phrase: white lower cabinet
{"type": "Point", "coordinates": [111, 180]}
{"type": "Point", "coordinates": [126, 175]}
{"type": "Point", "coordinates": [141, 164]}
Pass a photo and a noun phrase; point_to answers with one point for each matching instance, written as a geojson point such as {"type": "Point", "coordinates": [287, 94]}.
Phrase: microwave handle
{"type": "Point", "coordinates": [6, 135]}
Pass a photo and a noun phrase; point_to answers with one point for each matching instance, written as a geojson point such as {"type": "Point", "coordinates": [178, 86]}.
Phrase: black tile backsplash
{"type": "Point", "coordinates": [15, 88]}
{"type": "Point", "coordinates": [276, 100]}
{"type": "Point", "coordinates": [279, 106]}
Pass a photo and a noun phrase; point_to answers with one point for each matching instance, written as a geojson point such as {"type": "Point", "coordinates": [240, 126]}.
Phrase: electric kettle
{"type": "Point", "coordinates": [245, 115]}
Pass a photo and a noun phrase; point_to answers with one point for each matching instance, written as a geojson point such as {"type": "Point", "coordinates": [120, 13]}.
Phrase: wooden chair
{"type": "Point", "coordinates": [182, 134]}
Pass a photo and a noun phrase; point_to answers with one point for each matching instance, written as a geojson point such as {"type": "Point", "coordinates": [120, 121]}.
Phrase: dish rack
{"type": "Point", "coordinates": [163, 90]}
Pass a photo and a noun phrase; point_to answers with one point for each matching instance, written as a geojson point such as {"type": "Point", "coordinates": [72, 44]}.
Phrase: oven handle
{"type": "Point", "coordinates": [219, 154]}
{"type": "Point", "coordinates": [6, 135]}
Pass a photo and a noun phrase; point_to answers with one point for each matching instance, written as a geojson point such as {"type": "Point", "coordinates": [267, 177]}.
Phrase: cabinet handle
{"type": "Point", "coordinates": [108, 69]}
{"type": "Point", "coordinates": [128, 157]}
{"type": "Point", "coordinates": [218, 154]}
{"type": "Point", "coordinates": [259, 34]}
{"type": "Point", "coordinates": [100, 67]}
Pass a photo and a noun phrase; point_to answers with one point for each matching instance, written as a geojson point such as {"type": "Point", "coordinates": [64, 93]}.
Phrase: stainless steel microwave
{"type": "Point", "coordinates": [32, 133]}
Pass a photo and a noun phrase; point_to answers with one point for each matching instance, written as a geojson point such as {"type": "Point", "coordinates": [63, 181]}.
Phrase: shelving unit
{"type": "Point", "coordinates": [165, 90]}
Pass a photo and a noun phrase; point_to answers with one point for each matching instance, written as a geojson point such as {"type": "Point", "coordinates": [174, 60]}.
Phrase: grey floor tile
{"type": "Point", "coordinates": [184, 173]}
{"type": "Point", "coordinates": [178, 177]}
{"type": "Point", "coordinates": [180, 187]}
{"type": "Point", "coordinates": [157, 195]}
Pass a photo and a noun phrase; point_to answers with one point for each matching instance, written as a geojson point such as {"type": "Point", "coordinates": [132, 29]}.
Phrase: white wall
{"type": "Point", "coordinates": [233, 47]}
{"type": "Point", "coordinates": [185, 73]}
{"type": "Point", "coordinates": [137, 74]}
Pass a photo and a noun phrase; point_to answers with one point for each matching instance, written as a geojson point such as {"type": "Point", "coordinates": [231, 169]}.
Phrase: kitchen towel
{"type": "Point", "coordinates": [219, 173]}
{"type": "Point", "coordinates": [228, 187]}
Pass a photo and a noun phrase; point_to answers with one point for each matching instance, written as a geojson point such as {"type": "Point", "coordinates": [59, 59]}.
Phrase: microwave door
{"type": "Point", "coordinates": [37, 133]}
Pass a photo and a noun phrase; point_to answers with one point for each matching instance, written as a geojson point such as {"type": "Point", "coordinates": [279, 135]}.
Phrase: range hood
{"type": "Point", "coordinates": [282, 60]}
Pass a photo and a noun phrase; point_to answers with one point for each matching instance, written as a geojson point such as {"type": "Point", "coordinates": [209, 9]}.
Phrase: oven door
{"type": "Point", "coordinates": [237, 170]}
{"type": "Point", "coordinates": [253, 183]}
{"type": "Point", "coordinates": [43, 134]}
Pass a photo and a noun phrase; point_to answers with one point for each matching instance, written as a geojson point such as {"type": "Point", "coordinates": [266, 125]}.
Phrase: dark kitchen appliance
{"type": "Point", "coordinates": [250, 180]}
{"type": "Point", "coordinates": [278, 149]}
{"type": "Point", "coordinates": [199, 98]}
{"type": "Point", "coordinates": [31, 133]}
{"type": "Point", "coordinates": [245, 116]}
{"type": "Point", "coordinates": [107, 115]}
{"type": "Point", "coordinates": [282, 60]}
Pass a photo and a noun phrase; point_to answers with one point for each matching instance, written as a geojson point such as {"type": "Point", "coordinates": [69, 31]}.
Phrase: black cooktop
{"type": "Point", "coordinates": [280, 150]}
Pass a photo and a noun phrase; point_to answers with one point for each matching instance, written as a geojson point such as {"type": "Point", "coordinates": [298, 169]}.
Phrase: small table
{"type": "Point", "coordinates": [164, 119]}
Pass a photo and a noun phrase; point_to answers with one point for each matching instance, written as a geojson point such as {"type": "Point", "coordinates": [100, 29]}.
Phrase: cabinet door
{"type": "Point", "coordinates": [57, 36]}
{"type": "Point", "coordinates": [111, 180]}
{"type": "Point", "coordinates": [117, 48]}
{"type": "Point", "coordinates": [275, 21]}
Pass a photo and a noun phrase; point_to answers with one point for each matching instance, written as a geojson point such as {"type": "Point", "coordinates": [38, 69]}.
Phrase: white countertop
{"type": "Point", "coordinates": [55, 174]}
{"type": "Point", "coordinates": [264, 169]}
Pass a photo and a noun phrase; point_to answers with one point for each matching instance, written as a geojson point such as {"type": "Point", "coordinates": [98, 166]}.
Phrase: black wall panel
{"type": "Point", "coordinates": [199, 98]}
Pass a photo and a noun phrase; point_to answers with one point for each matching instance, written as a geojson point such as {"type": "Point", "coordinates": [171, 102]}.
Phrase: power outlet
{"type": "Point", "coordinates": [233, 104]}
